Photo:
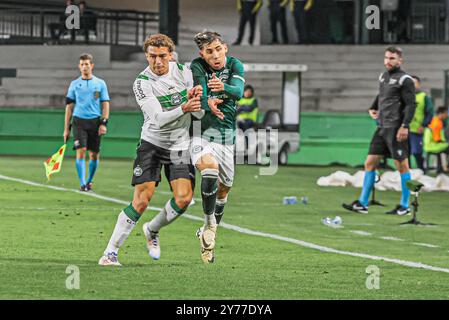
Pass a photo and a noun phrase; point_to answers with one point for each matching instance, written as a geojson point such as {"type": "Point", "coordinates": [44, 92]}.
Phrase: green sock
{"type": "Point", "coordinates": [209, 189]}
{"type": "Point", "coordinates": [132, 213]}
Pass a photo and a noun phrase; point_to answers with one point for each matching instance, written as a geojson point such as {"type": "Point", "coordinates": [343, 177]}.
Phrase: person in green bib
{"type": "Point", "coordinates": [247, 109]}
{"type": "Point", "coordinates": [421, 119]}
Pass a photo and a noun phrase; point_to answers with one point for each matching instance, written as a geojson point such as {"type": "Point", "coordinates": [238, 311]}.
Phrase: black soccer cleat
{"type": "Point", "coordinates": [356, 206]}
{"type": "Point", "coordinates": [399, 210]}
{"type": "Point", "coordinates": [83, 188]}
{"type": "Point", "coordinates": [89, 186]}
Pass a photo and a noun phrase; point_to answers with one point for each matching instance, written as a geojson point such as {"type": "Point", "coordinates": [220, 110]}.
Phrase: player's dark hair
{"type": "Point", "coordinates": [249, 87]}
{"type": "Point", "coordinates": [159, 40]}
{"type": "Point", "coordinates": [87, 56]}
{"type": "Point", "coordinates": [206, 37]}
{"type": "Point", "coordinates": [396, 50]}
{"type": "Point", "coordinates": [416, 78]}
{"type": "Point", "coordinates": [442, 109]}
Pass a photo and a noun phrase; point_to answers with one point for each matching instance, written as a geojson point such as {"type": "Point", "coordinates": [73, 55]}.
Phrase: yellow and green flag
{"type": "Point", "coordinates": [54, 163]}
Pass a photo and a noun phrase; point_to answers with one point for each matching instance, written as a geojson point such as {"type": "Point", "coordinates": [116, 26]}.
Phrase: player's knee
{"type": "Point", "coordinates": [81, 153]}
{"type": "Point", "coordinates": [94, 156]}
{"type": "Point", "coordinates": [141, 202]}
{"type": "Point", "coordinates": [370, 165]}
{"type": "Point", "coordinates": [183, 200]}
{"type": "Point", "coordinates": [207, 162]}
{"type": "Point", "coordinates": [402, 166]}
{"type": "Point", "coordinates": [223, 192]}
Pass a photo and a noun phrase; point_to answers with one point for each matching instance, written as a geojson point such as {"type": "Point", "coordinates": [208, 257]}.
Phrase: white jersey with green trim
{"type": "Point", "coordinates": [160, 98]}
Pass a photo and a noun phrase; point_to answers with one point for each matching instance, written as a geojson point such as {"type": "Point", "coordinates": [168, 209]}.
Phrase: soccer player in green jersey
{"type": "Point", "coordinates": [212, 151]}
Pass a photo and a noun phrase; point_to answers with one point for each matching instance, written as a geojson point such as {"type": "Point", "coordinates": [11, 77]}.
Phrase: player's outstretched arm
{"type": "Point", "coordinates": [160, 118]}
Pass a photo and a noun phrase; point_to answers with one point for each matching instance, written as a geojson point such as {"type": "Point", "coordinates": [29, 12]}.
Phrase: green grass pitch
{"type": "Point", "coordinates": [42, 231]}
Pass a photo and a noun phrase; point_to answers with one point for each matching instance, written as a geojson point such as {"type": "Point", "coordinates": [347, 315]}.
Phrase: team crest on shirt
{"type": "Point", "coordinates": [176, 99]}
{"type": "Point", "coordinates": [400, 152]}
{"type": "Point", "coordinates": [224, 76]}
{"type": "Point", "coordinates": [197, 149]}
{"type": "Point", "coordinates": [138, 171]}
{"type": "Point", "coordinates": [96, 94]}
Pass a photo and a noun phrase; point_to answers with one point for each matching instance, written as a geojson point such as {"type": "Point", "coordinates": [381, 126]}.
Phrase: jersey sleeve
{"type": "Point", "coordinates": [408, 97]}
{"type": "Point", "coordinates": [235, 86]}
{"type": "Point", "coordinates": [71, 97]}
{"type": "Point", "coordinates": [151, 106]}
{"type": "Point", "coordinates": [104, 94]}
{"type": "Point", "coordinates": [200, 78]}
{"type": "Point", "coordinates": [188, 77]}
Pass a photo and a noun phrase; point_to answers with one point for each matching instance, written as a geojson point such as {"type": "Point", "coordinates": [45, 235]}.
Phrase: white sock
{"type": "Point", "coordinates": [166, 216]}
{"type": "Point", "coordinates": [209, 220]}
{"type": "Point", "coordinates": [122, 229]}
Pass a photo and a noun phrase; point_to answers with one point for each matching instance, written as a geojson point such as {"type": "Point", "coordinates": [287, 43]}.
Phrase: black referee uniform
{"type": "Point", "coordinates": [396, 106]}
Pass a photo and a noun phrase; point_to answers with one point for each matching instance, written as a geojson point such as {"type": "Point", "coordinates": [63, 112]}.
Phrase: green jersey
{"type": "Point", "coordinates": [232, 75]}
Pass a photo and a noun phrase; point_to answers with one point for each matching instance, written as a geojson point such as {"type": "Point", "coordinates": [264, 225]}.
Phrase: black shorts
{"type": "Point", "coordinates": [150, 159]}
{"type": "Point", "coordinates": [384, 143]}
{"type": "Point", "coordinates": [85, 134]}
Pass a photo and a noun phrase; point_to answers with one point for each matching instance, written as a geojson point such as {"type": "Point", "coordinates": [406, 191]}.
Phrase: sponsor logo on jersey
{"type": "Point", "coordinates": [393, 81]}
{"type": "Point", "coordinates": [400, 152]}
{"type": "Point", "coordinates": [138, 91]}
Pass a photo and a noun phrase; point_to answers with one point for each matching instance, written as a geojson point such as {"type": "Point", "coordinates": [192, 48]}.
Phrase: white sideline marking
{"type": "Point", "coordinates": [425, 245]}
{"type": "Point", "coordinates": [301, 243]}
{"type": "Point", "coordinates": [361, 233]}
{"type": "Point", "coordinates": [391, 238]}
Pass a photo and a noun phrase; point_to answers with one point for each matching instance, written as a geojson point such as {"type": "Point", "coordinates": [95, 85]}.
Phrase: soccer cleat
{"type": "Point", "coordinates": [89, 186]}
{"type": "Point", "coordinates": [208, 256]}
{"type": "Point", "coordinates": [83, 188]}
{"type": "Point", "coordinates": [207, 241]}
{"type": "Point", "coordinates": [154, 249]}
{"type": "Point", "coordinates": [199, 232]}
{"type": "Point", "coordinates": [399, 210]}
{"type": "Point", "coordinates": [356, 206]}
{"type": "Point", "coordinates": [109, 260]}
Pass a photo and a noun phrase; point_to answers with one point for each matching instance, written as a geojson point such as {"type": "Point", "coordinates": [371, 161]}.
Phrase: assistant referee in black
{"type": "Point", "coordinates": [393, 109]}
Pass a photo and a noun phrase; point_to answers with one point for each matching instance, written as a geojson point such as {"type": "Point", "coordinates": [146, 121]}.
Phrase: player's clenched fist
{"type": "Point", "coordinates": [215, 84]}
{"type": "Point", "coordinates": [192, 105]}
{"type": "Point", "coordinates": [196, 91]}
{"type": "Point", "coordinates": [374, 114]}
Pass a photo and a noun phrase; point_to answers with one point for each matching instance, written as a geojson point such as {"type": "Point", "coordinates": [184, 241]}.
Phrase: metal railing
{"type": "Point", "coordinates": [446, 88]}
{"type": "Point", "coordinates": [22, 24]}
{"type": "Point", "coordinates": [428, 23]}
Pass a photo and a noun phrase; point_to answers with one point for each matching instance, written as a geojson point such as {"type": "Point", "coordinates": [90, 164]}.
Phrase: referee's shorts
{"type": "Point", "coordinates": [85, 134]}
{"type": "Point", "coordinates": [385, 143]}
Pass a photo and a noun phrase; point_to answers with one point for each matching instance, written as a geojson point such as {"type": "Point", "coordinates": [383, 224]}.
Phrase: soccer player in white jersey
{"type": "Point", "coordinates": [165, 93]}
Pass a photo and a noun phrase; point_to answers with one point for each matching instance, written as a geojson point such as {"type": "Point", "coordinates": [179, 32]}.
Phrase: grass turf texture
{"type": "Point", "coordinates": [42, 231]}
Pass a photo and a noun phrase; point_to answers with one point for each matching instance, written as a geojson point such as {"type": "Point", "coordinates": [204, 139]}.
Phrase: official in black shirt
{"type": "Point", "coordinates": [393, 109]}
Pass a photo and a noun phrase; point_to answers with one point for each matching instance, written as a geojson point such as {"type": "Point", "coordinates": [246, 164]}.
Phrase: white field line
{"type": "Point", "coordinates": [391, 239]}
{"type": "Point", "coordinates": [301, 243]}
{"type": "Point", "coordinates": [361, 233]}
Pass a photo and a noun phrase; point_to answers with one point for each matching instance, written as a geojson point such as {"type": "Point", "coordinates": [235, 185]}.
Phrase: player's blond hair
{"type": "Point", "coordinates": [159, 40]}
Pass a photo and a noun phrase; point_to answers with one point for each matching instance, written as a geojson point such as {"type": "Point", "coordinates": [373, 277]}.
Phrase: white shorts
{"type": "Point", "coordinates": [223, 154]}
